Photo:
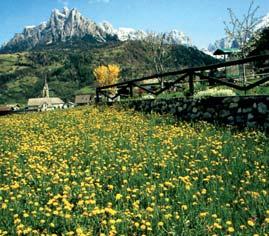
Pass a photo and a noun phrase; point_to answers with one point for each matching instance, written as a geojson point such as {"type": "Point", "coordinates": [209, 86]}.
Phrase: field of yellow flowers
{"type": "Point", "coordinates": [103, 171]}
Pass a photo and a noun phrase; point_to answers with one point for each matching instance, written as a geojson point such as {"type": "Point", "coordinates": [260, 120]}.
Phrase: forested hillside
{"type": "Point", "coordinates": [69, 67]}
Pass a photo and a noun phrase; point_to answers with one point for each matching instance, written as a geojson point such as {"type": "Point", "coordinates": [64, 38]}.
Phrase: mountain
{"type": "Point", "coordinates": [232, 43]}
{"type": "Point", "coordinates": [177, 37]}
{"type": "Point", "coordinates": [264, 23]}
{"type": "Point", "coordinates": [123, 34]}
{"type": "Point", "coordinates": [61, 26]}
{"type": "Point", "coordinates": [222, 43]}
{"type": "Point", "coordinates": [69, 25]}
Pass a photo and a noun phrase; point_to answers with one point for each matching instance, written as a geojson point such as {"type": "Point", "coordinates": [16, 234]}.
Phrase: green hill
{"type": "Point", "coordinates": [68, 67]}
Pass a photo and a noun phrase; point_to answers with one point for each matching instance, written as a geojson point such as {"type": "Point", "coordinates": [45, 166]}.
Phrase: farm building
{"type": "Point", "coordinates": [9, 109]}
{"type": "Point", "coordinates": [69, 105]}
{"type": "Point", "coordinates": [4, 110]}
{"type": "Point", "coordinates": [15, 107]}
{"type": "Point", "coordinates": [84, 99]}
{"type": "Point", "coordinates": [229, 54]}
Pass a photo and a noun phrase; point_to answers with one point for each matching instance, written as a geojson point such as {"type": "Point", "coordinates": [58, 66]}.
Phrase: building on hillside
{"type": "Point", "coordinates": [229, 54]}
{"type": "Point", "coordinates": [237, 71]}
{"type": "Point", "coordinates": [10, 109]}
{"type": "Point", "coordinates": [45, 103]}
{"type": "Point", "coordinates": [69, 105]}
{"type": "Point", "coordinates": [84, 99]}
{"type": "Point", "coordinates": [15, 107]}
{"type": "Point", "coordinates": [4, 110]}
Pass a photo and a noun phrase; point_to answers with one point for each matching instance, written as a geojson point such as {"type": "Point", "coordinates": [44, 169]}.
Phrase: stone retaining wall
{"type": "Point", "coordinates": [246, 111]}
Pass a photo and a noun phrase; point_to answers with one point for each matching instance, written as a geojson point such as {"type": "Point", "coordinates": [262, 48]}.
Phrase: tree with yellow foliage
{"type": "Point", "coordinates": [107, 75]}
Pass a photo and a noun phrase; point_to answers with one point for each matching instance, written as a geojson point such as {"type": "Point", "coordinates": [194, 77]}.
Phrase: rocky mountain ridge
{"type": "Point", "coordinates": [68, 24]}
{"type": "Point", "coordinates": [232, 43]}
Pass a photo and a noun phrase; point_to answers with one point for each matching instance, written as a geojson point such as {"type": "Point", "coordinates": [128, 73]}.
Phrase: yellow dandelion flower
{"type": "Point", "coordinates": [217, 225]}
{"type": "Point", "coordinates": [228, 222]}
{"type": "Point", "coordinates": [160, 224]}
{"type": "Point", "coordinates": [143, 227]}
{"type": "Point", "coordinates": [136, 224]}
{"type": "Point", "coordinates": [149, 209]}
{"type": "Point", "coordinates": [230, 229]}
{"type": "Point", "coordinates": [118, 196]}
{"type": "Point", "coordinates": [251, 223]}
{"type": "Point", "coordinates": [203, 214]}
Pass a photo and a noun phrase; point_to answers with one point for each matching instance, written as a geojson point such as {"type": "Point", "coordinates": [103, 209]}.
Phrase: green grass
{"type": "Point", "coordinates": [19, 84]}
{"type": "Point", "coordinates": [9, 62]}
{"type": "Point", "coordinates": [85, 90]}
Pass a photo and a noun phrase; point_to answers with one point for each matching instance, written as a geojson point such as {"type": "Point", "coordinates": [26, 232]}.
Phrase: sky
{"type": "Point", "coordinates": [201, 20]}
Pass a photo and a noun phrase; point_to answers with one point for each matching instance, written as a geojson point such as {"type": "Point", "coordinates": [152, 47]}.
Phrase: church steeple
{"type": "Point", "coordinates": [45, 92]}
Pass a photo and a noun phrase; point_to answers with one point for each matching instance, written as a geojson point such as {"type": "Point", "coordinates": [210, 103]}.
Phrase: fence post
{"type": "Point", "coordinates": [131, 90]}
{"type": "Point", "coordinates": [191, 84]}
{"type": "Point", "coordinates": [97, 95]}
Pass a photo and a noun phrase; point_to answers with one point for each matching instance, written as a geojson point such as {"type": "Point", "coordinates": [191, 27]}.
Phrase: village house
{"type": "Point", "coordinates": [229, 54]}
{"type": "Point", "coordinates": [69, 105]}
{"type": "Point", "coordinates": [4, 110]}
{"type": "Point", "coordinates": [8, 109]}
{"type": "Point", "coordinates": [236, 71]}
{"type": "Point", "coordinates": [14, 107]}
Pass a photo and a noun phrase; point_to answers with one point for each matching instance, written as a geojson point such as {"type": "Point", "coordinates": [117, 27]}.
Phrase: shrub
{"type": "Point", "coordinates": [215, 92]}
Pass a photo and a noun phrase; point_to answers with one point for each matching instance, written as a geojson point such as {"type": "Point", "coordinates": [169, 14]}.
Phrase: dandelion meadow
{"type": "Point", "coordinates": [103, 171]}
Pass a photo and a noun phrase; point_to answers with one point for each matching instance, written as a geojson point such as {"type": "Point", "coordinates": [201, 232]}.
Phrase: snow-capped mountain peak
{"type": "Point", "coordinates": [233, 43]}
{"type": "Point", "coordinates": [125, 34]}
{"type": "Point", "coordinates": [67, 24]}
{"type": "Point", "coordinates": [66, 10]}
{"type": "Point", "coordinates": [107, 27]}
{"type": "Point", "coordinates": [30, 26]}
{"type": "Point", "coordinates": [263, 23]}
{"type": "Point", "coordinates": [177, 37]}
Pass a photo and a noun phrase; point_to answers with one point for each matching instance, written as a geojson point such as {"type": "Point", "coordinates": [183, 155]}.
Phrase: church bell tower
{"type": "Point", "coordinates": [45, 92]}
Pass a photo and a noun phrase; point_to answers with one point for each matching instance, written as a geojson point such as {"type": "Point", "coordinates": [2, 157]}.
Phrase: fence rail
{"type": "Point", "coordinates": [190, 75]}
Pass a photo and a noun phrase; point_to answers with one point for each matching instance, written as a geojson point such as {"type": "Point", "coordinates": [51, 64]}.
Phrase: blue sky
{"type": "Point", "coordinates": [202, 20]}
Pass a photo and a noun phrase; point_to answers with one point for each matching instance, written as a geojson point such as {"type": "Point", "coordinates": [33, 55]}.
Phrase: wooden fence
{"type": "Point", "coordinates": [214, 74]}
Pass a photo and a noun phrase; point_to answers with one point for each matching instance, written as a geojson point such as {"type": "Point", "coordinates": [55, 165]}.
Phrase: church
{"type": "Point", "coordinates": [45, 103]}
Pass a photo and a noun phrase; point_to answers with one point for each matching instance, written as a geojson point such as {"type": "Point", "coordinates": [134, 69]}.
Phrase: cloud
{"type": "Point", "coordinates": [99, 1]}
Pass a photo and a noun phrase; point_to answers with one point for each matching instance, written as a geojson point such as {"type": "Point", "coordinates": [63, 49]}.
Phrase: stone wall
{"type": "Point", "coordinates": [246, 111]}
